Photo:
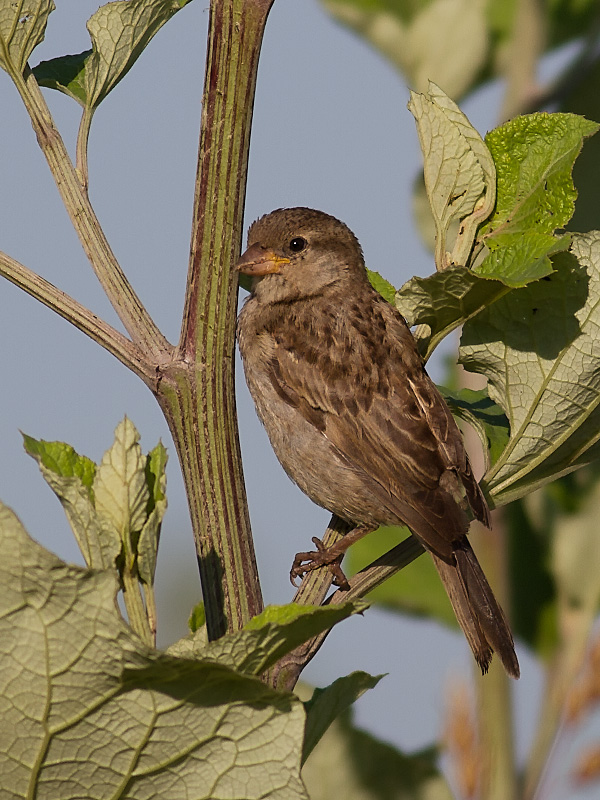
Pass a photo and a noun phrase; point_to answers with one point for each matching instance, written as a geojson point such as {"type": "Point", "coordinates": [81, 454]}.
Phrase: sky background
{"type": "Point", "coordinates": [331, 131]}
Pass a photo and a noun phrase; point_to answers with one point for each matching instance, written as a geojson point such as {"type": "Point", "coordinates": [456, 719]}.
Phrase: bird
{"type": "Point", "coordinates": [351, 413]}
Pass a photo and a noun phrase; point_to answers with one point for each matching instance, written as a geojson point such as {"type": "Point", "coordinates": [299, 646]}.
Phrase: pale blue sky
{"type": "Point", "coordinates": [331, 131]}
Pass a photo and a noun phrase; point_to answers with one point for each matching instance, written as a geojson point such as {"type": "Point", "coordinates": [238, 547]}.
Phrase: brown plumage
{"type": "Point", "coordinates": [351, 413]}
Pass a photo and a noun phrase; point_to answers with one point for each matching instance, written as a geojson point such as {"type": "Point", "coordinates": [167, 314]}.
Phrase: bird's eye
{"type": "Point", "coordinates": [298, 244]}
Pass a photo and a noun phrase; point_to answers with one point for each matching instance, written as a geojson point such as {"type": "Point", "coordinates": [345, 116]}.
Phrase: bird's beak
{"type": "Point", "coordinates": [258, 260]}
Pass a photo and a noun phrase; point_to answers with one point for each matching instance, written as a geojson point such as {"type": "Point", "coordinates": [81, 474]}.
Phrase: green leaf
{"type": "Point", "coordinates": [486, 417]}
{"type": "Point", "coordinates": [459, 172]}
{"type": "Point", "coordinates": [156, 482]}
{"type": "Point", "coordinates": [61, 459]}
{"type": "Point", "coordinates": [120, 31]}
{"type": "Point", "coordinates": [519, 260]}
{"type": "Point", "coordinates": [71, 477]}
{"type": "Point", "coordinates": [22, 28]}
{"type": "Point", "coordinates": [65, 74]}
{"type": "Point", "coordinates": [326, 705]}
{"type": "Point", "coordinates": [197, 618]}
{"type": "Point", "coordinates": [381, 285]}
{"type": "Point", "coordinates": [354, 765]}
{"type": "Point", "coordinates": [268, 636]}
{"type": "Point", "coordinates": [89, 711]}
{"type": "Point", "coordinates": [534, 157]}
{"type": "Point", "coordinates": [120, 487]}
{"type": "Point", "coordinates": [416, 589]}
{"type": "Point", "coordinates": [537, 348]}
{"type": "Point", "coordinates": [443, 301]}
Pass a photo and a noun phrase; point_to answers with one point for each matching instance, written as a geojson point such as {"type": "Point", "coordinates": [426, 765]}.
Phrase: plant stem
{"type": "Point", "coordinates": [136, 612]}
{"type": "Point", "coordinates": [119, 291]}
{"type": "Point", "coordinates": [78, 315]}
{"type": "Point", "coordinates": [197, 391]}
{"type": "Point", "coordinates": [287, 671]}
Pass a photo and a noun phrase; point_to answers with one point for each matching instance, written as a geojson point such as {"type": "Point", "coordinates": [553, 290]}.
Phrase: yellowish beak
{"type": "Point", "coordinates": [258, 260]}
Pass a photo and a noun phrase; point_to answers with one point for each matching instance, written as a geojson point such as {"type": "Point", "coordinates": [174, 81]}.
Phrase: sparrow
{"type": "Point", "coordinates": [351, 413]}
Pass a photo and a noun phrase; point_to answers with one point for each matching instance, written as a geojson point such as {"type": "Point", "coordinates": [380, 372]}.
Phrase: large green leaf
{"type": "Point", "coordinates": [538, 347]}
{"type": "Point", "coordinates": [89, 711]}
{"type": "Point", "coordinates": [22, 27]}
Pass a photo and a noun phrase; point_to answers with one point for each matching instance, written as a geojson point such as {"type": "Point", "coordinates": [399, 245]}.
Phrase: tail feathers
{"type": "Point", "coordinates": [477, 610]}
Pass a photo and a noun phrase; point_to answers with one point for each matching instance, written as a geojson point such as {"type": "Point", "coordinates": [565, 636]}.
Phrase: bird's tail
{"type": "Point", "coordinates": [477, 610]}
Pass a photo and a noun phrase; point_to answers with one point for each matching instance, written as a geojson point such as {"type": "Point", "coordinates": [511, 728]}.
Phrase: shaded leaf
{"type": "Point", "coordinates": [575, 554]}
{"type": "Point", "coordinates": [89, 711]}
{"type": "Point", "coordinates": [442, 40]}
{"type": "Point", "coordinates": [65, 74]}
{"type": "Point", "coordinates": [485, 416]}
{"type": "Point", "coordinates": [456, 43]}
{"type": "Point", "coordinates": [443, 301]}
{"type": "Point", "coordinates": [532, 588]}
{"type": "Point", "coordinates": [354, 765]}
{"type": "Point", "coordinates": [538, 349]}
{"type": "Point", "coordinates": [327, 704]}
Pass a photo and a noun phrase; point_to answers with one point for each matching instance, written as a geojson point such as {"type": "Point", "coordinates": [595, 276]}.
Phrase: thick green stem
{"type": "Point", "coordinates": [197, 391]}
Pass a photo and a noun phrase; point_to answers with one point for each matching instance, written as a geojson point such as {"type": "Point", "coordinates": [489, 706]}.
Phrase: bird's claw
{"type": "Point", "coordinates": [321, 557]}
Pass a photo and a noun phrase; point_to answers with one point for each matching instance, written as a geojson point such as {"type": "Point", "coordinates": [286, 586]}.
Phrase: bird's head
{"type": "Point", "coordinates": [294, 253]}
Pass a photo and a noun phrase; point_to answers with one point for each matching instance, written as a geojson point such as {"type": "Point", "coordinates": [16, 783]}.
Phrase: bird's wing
{"type": "Point", "coordinates": [371, 398]}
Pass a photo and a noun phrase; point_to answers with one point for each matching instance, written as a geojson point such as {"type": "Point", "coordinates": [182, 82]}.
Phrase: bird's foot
{"type": "Point", "coordinates": [321, 557]}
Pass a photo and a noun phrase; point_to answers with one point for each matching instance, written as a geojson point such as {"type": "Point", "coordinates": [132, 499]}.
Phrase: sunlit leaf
{"type": "Point", "coordinates": [89, 711]}
{"type": "Point", "coordinates": [22, 28]}
{"type": "Point", "coordinates": [534, 158]}
{"type": "Point", "coordinates": [459, 172]}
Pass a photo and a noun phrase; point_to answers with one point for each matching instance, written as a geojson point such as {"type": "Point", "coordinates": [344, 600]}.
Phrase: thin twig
{"type": "Point", "coordinates": [129, 308]}
{"type": "Point", "coordinates": [287, 671]}
{"type": "Point", "coordinates": [78, 315]}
